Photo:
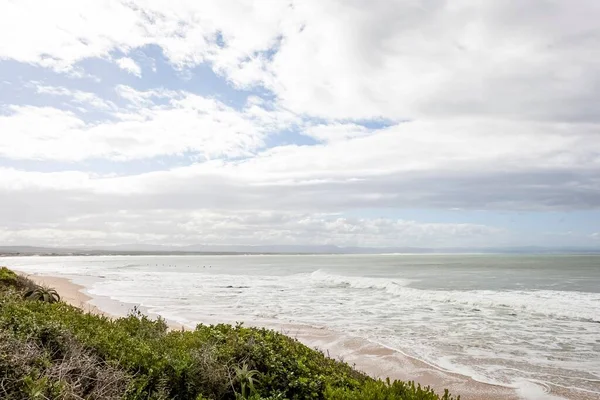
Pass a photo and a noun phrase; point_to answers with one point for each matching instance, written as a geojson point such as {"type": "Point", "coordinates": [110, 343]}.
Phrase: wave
{"type": "Point", "coordinates": [551, 303]}
{"type": "Point", "coordinates": [556, 304]}
{"type": "Point", "coordinates": [324, 279]}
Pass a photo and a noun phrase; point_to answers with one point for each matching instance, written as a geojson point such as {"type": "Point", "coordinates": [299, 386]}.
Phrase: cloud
{"type": "Point", "coordinates": [130, 66]}
{"type": "Point", "coordinates": [532, 167]}
{"type": "Point", "coordinates": [351, 175]}
{"type": "Point", "coordinates": [140, 99]}
{"type": "Point", "coordinates": [60, 36]}
{"type": "Point", "coordinates": [336, 132]}
{"type": "Point", "coordinates": [487, 106]}
{"type": "Point", "coordinates": [472, 165]}
{"type": "Point", "coordinates": [345, 60]}
{"type": "Point", "coordinates": [242, 228]}
{"type": "Point", "coordinates": [187, 123]}
{"type": "Point", "coordinates": [77, 96]}
{"type": "Point", "coordinates": [401, 60]}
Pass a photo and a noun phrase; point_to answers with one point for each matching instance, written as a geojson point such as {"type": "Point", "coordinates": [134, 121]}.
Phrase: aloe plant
{"type": "Point", "coordinates": [42, 293]}
{"type": "Point", "coordinates": [246, 378]}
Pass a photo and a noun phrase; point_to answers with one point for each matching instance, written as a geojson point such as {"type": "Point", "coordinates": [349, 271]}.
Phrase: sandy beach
{"type": "Point", "coordinates": [70, 292]}
{"type": "Point", "coordinates": [375, 360]}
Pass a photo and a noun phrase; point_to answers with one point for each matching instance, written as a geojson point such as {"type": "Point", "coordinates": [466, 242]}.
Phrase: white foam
{"type": "Point", "coordinates": [534, 391]}
{"type": "Point", "coordinates": [577, 305]}
{"type": "Point", "coordinates": [323, 278]}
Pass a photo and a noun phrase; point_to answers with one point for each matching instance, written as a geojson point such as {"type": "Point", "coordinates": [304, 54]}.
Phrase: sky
{"type": "Point", "coordinates": [375, 123]}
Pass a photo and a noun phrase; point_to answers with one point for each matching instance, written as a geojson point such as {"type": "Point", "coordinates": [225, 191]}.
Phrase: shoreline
{"type": "Point", "coordinates": [371, 358]}
{"type": "Point", "coordinates": [374, 359]}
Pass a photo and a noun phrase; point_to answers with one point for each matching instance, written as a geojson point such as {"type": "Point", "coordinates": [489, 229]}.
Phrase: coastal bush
{"type": "Point", "coordinates": [10, 280]}
{"type": "Point", "coordinates": [7, 277]}
{"type": "Point", "coordinates": [146, 360]}
{"type": "Point", "coordinates": [386, 390]}
{"type": "Point", "coordinates": [53, 365]}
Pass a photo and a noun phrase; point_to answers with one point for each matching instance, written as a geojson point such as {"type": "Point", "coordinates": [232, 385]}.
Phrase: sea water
{"type": "Point", "coordinates": [500, 319]}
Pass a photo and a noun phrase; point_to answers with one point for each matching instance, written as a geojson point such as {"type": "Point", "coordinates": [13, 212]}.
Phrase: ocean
{"type": "Point", "coordinates": [500, 319]}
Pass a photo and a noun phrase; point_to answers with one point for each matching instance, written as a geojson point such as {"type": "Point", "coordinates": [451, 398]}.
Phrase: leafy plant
{"type": "Point", "coordinates": [42, 293]}
{"type": "Point", "coordinates": [35, 388]}
{"type": "Point", "coordinates": [246, 378]}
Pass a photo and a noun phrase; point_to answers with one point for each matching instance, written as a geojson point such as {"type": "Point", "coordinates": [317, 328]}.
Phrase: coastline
{"type": "Point", "coordinates": [374, 359]}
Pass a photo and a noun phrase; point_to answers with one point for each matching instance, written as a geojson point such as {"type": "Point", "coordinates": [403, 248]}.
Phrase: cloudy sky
{"type": "Point", "coordinates": [358, 123]}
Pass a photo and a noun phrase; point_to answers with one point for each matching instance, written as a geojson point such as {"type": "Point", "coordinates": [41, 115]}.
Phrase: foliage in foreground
{"type": "Point", "coordinates": [56, 351]}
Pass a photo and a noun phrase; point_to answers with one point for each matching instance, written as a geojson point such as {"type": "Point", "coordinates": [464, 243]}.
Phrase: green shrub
{"type": "Point", "coordinates": [7, 277]}
{"type": "Point", "coordinates": [10, 280]}
{"type": "Point", "coordinates": [386, 390]}
{"type": "Point", "coordinates": [210, 362]}
{"type": "Point", "coordinates": [54, 365]}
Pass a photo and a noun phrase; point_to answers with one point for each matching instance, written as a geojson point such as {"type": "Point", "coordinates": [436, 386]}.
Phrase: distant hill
{"type": "Point", "coordinates": [31, 250]}
{"type": "Point", "coordinates": [140, 249]}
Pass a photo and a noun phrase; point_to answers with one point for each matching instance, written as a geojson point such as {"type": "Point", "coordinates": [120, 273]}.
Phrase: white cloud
{"type": "Point", "coordinates": [223, 202]}
{"type": "Point", "coordinates": [77, 96]}
{"type": "Point", "coordinates": [145, 98]}
{"type": "Point", "coordinates": [471, 166]}
{"type": "Point", "coordinates": [62, 34]}
{"type": "Point", "coordinates": [492, 105]}
{"type": "Point", "coordinates": [130, 66]}
{"type": "Point", "coordinates": [456, 163]}
{"type": "Point", "coordinates": [187, 123]}
{"type": "Point", "coordinates": [403, 60]}
{"type": "Point", "coordinates": [74, 237]}
{"type": "Point", "coordinates": [244, 228]}
{"type": "Point", "coordinates": [164, 122]}
{"type": "Point", "coordinates": [344, 60]}
{"type": "Point", "coordinates": [336, 132]}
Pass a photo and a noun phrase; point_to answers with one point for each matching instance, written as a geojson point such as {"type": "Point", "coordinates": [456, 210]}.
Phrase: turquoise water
{"type": "Point", "coordinates": [499, 319]}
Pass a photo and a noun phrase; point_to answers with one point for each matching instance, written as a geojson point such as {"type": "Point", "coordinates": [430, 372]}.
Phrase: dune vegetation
{"type": "Point", "coordinates": [51, 350]}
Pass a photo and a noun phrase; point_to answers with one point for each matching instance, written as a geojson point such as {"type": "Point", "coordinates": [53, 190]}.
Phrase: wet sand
{"type": "Point", "coordinates": [373, 359]}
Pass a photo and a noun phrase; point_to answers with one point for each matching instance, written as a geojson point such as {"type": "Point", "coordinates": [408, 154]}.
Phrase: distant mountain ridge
{"type": "Point", "coordinates": [140, 249]}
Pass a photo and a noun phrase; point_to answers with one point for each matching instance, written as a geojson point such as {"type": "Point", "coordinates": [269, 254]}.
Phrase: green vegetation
{"type": "Point", "coordinates": [10, 280]}
{"type": "Point", "coordinates": [51, 350]}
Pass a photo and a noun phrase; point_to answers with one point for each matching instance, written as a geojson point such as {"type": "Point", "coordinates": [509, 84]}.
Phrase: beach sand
{"type": "Point", "coordinates": [371, 358]}
{"type": "Point", "coordinates": [69, 292]}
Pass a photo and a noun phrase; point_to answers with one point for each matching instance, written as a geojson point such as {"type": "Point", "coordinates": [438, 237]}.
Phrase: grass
{"type": "Point", "coordinates": [56, 351]}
